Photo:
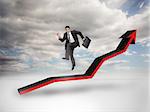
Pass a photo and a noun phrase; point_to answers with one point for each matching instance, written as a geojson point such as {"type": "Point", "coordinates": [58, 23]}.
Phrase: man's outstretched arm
{"type": "Point", "coordinates": [79, 33]}
{"type": "Point", "coordinates": [61, 39]}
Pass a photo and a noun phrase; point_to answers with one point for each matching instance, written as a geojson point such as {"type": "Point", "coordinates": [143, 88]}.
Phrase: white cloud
{"type": "Point", "coordinates": [123, 67]}
{"type": "Point", "coordinates": [130, 53]}
{"type": "Point", "coordinates": [141, 5]}
{"type": "Point", "coordinates": [114, 62]}
{"type": "Point", "coordinates": [145, 42]}
{"type": "Point", "coordinates": [146, 55]}
{"type": "Point", "coordinates": [114, 3]}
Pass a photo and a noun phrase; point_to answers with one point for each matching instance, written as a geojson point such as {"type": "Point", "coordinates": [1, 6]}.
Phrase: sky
{"type": "Point", "coordinates": [28, 41]}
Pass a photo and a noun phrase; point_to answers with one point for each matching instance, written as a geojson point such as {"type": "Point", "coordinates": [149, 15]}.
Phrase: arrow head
{"type": "Point", "coordinates": [130, 34]}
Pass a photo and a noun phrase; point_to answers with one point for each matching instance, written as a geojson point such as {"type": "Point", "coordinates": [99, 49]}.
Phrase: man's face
{"type": "Point", "coordinates": [67, 29]}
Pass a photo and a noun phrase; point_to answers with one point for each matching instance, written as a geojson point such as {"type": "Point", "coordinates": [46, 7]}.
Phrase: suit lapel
{"type": "Point", "coordinates": [73, 34]}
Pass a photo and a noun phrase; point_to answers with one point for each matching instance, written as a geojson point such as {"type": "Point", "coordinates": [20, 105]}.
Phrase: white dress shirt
{"type": "Point", "coordinates": [70, 37]}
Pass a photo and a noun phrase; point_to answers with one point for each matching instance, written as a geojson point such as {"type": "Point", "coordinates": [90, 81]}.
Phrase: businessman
{"type": "Point", "coordinates": [71, 39]}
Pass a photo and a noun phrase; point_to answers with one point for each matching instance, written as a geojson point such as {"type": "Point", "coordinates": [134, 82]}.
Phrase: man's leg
{"type": "Point", "coordinates": [67, 52]}
{"type": "Point", "coordinates": [73, 46]}
{"type": "Point", "coordinates": [66, 55]}
{"type": "Point", "coordinates": [72, 57]}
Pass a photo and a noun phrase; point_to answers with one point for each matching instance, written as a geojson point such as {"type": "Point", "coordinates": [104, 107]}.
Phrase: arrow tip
{"type": "Point", "coordinates": [130, 34]}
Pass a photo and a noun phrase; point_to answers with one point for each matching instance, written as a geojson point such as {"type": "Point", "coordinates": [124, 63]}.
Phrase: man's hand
{"type": "Point", "coordinates": [58, 35]}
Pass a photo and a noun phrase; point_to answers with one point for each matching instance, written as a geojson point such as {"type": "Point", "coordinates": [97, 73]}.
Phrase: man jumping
{"type": "Point", "coordinates": [70, 36]}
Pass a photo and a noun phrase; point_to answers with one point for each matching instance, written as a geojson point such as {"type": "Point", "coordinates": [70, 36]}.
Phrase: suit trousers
{"type": "Point", "coordinates": [69, 52]}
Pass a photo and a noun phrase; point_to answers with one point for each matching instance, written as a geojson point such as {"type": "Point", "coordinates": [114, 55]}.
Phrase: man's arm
{"type": "Point", "coordinates": [61, 39]}
{"type": "Point", "coordinates": [79, 33]}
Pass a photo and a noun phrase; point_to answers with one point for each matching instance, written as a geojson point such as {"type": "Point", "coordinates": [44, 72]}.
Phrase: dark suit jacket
{"type": "Point", "coordinates": [74, 34]}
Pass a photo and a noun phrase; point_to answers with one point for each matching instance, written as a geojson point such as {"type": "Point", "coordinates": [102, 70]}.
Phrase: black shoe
{"type": "Point", "coordinates": [65, 58]}
{"type": "Point", "coordinates": [73, 67]}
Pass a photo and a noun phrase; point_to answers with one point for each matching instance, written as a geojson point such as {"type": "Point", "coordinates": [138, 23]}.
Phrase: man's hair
{"type": "Point", "coordinates": [67, 27]}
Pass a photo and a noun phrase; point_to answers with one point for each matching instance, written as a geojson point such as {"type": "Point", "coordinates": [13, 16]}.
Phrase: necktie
{"type": "Point", "coordinates": [68, 36]}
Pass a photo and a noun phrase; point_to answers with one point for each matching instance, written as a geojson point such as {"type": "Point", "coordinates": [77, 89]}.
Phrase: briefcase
{"type": "Point", "coordinates": [86, 42]}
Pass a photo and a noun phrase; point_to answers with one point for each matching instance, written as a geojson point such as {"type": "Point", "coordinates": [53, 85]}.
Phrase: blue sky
{"type": "Point", "coordinates": [134, 6]}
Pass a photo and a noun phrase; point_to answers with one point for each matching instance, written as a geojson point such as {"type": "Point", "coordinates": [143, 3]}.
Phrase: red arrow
{"type": "Point", "coordinates": [128, 38]}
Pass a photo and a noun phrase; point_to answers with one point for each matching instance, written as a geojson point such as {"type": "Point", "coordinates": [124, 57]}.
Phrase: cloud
{"type": "Point", "coordinates": [145, 42]}
{"type": "Point", "coordinates": [130, 53]}
{"type": "Point", "coordinates": [31, 26]}
{"type": "Point", "coordinates": [141, 5]}
{"type": "Point", "coordinates": [119, 64]}
{"type": "Point", "coordinates": [113, 62]}
{"type": "Point", "coordinates": [146, 55]}
{"type": "Point", "coordinates": [114, 4]}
